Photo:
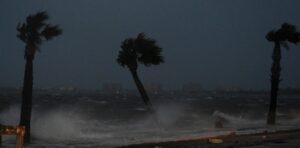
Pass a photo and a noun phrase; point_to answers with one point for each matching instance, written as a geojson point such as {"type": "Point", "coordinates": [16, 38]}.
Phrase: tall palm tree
{"type": "Point", "coordinates": [32, 32]}
{"type": "Point", "coordinates": [281, 37]}
{"type": "Point", "coordinates": [140, 50]}
{"type": "Point", "coordinates": [0, 134]}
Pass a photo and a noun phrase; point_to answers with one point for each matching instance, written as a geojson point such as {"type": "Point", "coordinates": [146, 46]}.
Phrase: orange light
{"type": "Point", "coordinates": [19, 131]}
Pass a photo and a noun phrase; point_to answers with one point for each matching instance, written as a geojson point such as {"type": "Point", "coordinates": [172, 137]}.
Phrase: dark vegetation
{"type": "Point", "coordinates": [140, 50]}
{"type": "Point", "coordinates": [281, 37]}
{"type": "Point", "coordinates": [33, 33]}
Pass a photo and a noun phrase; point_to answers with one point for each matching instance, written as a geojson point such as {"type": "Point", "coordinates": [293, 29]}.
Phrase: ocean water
{"type": "Point", "coordinates": [108, 121]}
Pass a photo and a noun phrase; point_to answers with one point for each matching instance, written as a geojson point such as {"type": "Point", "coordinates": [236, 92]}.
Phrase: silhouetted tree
{"type": "Point", "coordinates": [281, 37]}
{"type": "Point", "coordinates": [0, 135]}
{"type": "Point", "coordinates": [141, 50]}
{"type": "Point", "coordinates": [33, 32]}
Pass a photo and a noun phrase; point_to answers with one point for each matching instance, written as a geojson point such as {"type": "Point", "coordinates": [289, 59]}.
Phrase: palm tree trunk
{"type": "Point", "coordinates": [275, 80]}
{"type": "Point", "coordinates": [27, 98]}
{"type": "Point", "coordinates": [0, 136]}
{"type": "Point", "coordinates": [141, 88]}
{"type": "Point", "coordinates": [144, 96]}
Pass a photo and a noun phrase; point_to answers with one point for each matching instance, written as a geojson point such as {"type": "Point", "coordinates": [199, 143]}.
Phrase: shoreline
{"type": "Point", "coordinates": [227, 140]}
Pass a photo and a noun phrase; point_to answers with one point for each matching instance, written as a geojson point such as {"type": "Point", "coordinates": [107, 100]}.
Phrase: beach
{"type": "Point", "coordinates": [277, 139]}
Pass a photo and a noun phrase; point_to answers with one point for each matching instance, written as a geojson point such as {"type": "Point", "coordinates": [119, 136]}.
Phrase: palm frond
{"type": "Point", "coordinates": [151, 56]}
{"type": "Point", "coordinates": [41, 16]}
{"type": "Point", "coordinates": [51, 31]}
{"type": "Point", "coordinates": [140, 49]}
{"type": "Point", "coordinates": [34, 30]}
{"type": "Point", "coordinates": [127, 56]}
{"type": "Point", "coordinates": [287, 28]}
{"type": "Point", "coordinates": [37, 21]}
{"type": "Point", "coordinates": [22, 32]}
{"type": "Point", "coordinates": [148, 50]}
{"type": "Point", "coordinates": [271, 36]}
{"type": "Point", "coordinates": [294, 38]}
{"type": "Point", "coordinates": [287, 32]}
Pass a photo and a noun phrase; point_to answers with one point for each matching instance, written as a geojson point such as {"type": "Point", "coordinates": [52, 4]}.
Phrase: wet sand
{"type": "Point", "coordinates": [278, 139]}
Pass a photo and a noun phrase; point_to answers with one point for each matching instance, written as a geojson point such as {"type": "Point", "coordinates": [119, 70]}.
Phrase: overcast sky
{"type": "Point", "coordinates": [211, 42]}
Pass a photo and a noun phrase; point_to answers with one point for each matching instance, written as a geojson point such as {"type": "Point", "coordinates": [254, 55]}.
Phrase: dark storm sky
{"type": "Point", "coordinates": [212, 42]}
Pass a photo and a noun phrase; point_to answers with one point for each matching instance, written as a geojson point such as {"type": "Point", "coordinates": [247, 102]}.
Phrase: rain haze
{"type": "Point", "coordinates": [214, 43]}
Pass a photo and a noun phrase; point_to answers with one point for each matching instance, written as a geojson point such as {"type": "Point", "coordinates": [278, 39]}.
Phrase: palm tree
{"type": "Point", "coordinates": [140, 50]}
{"type": "Point", "coordinates": [33, 32]}
{"type": "Point", "coordinates": [281, 37]}
{"type": "Point", "coordinates": [0, 134]}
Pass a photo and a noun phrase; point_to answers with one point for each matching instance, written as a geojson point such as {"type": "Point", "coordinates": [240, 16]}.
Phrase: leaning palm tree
{"type": "Point", "coordinates": [140, 50]}
{"type": "Point", "coordinates": [281, 37]}
{"type": "Point", "coordinates": [33, 32]}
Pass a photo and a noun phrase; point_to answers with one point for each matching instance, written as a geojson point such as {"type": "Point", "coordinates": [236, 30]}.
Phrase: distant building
{"type": "Point", "coordinates": [228, 89]}
{"type": "Point", "coordinates": [67, 88]}
{"type": "Point", "coordinates": [192, 88]}
{"type": "Point", "coordinates": [154, 88]}
{"type": "Point", "coordinates": [112, 88]}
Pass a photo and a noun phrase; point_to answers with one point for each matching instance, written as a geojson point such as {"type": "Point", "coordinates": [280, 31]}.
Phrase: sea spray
{"type": "Point", "coordinates": [10, 116]}
{"type": "Point", "coordinates": [57, 124]}
{"type": "Point", "coordinates": [169, 114]}
{"type": "Point", "coordinates": [234, 121]}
